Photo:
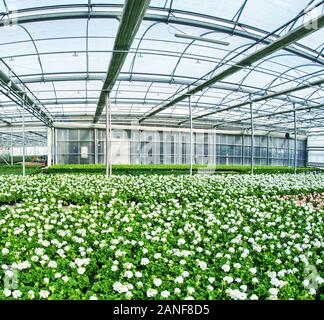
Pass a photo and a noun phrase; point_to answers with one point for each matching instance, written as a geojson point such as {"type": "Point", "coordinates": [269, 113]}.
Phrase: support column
{"type": "Point", "coordinates": [11, 147]}
{"type": "Point", "coordinates": [268, 158]}
{"type": "Point", "coordinates": [110, 140]}
{"type": "Point", "coordinates": [95, 134]}
{"type": "Point", "coordinates": [108, 137]}
{"type": "Point", "coordinates": [23, 139]}
{"type": "Point", "coordinates": [242, 149]}
{"type": "Point", "coordinates": [252, 138]}
{"type": "Point", "coordinates": [191, 137]}
{"type": "Point", "coordinates": [54, 133]}
{"type": "Point", "coordinates": [295, 140]}
{"type": "Point", "coordinates": [49, 146]}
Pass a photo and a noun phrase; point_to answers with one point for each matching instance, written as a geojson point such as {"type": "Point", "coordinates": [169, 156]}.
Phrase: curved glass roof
{"type": "Point", "coordinates": [56, 53]}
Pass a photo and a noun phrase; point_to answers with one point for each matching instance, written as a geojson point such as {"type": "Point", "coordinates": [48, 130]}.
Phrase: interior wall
{"type": "Point", "coordinates": [78, 146]}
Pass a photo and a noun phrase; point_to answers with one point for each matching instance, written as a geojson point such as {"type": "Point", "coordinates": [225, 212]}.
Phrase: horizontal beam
{"type": "Point", "coordinates": [263, 98]}
{"type": "Point", "coordinates": [319, 106]}
{"type": "Point", "coordinates": [284, 41]}
{"type": "Point", "coordinates": [25, 100]}
{"type": "Point", "coordinates": [131, 19]}
{"type": "Point", "coordinates": [156, 78]}
{"type": "Point", "coordinates": [191, 19]}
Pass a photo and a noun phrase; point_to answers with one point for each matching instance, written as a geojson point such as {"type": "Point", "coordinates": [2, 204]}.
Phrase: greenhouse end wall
{"type": "Point", "coordinates": [87, 146]}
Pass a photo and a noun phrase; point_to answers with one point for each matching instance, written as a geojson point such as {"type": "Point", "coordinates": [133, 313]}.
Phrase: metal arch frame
{"type": "Point", "coordinates": [270, 96]}
{"type": "Point", "coordinates": [238, 14]}
{"type": "Point", "coordinates": [319, 106]}
{"type": "Point", "coordinates": [140, 78]}
{"type": "Point", "coordinates": [131, 68]}
{"type": "Point", "coordinates": [156, 17]}
{"type": "Point", "coordinates": [131, 19]}
{"type": "Point", "coordinates": [35, 46]}
{"type": "Point", "coordinates": [269, 85]}
{"type": "Point", "coordinates": [184, 51]}
{"type": "Point", "coordinates": [221, 61]}
{"type": "Point", "coordinates": [284, 41]}
{"type": "Point", "coordinates": [154, 52]}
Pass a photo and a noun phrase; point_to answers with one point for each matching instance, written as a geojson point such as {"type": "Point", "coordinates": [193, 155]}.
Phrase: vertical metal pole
{"type": "Point", "coordinates": [24, 150]}
{"type": "Point", "coordinates": [295, 142]}
{"type": "Point", "coordinates": [110, 139]}
{"type": "Point", "coordinates": [252, 139]}
{"type": "Point", "coordinates": [55, 145]}
{"type": "Point", "coordinates": [95, 134]}
{"type": "Point", "coordinates": [191, 137]}
{"type": "Point", "coordinates": [268, 158]}
{"type": "Point", "coordinates": [242, 149]}
{"type": "Point", "coordinates": [107, 135]}
{"type": "Point", "coordinates": [49, 147]}
{"type": "Point", "coordinates": [11, 148]}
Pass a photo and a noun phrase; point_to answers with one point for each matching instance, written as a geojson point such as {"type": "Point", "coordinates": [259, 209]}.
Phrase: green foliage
{"type": "Point", "coordinates": [17, 169]}
{"type": "Point", "coordinates": [139, 169]}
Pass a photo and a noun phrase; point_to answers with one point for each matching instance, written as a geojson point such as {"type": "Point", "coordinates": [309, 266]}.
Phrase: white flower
{"type": "Point", "coordinates": [226, 267]}
{"type": "Point", "coordinates": [228, 279]}
{"type": "Point", "coordinates": [202, 265]}
{"type": "Point", "coordinates": [185, 274]}
{"type": "Point", "coordinates": [179, 279]}
{"type": "Point", "coordinates": [306, 283]}
{"type": "Point", "coordinates": [5, 251]}
{"type": "Point", "coordinates": [254, 297]}
{"type": "Point", "coordinates": [81, 270]}
{"type": "Point", "coordinates": [211, 279]}
{"type": "Point", "coordinates": [190, 290]}
{"type": "Point", "coordinates": [255, 280]}
{"type": "Point", "coordinates": [157, 282]}
{"type": "Point", "coordinates": [128, 274]}
{"type": "Point", "coordinates": [189, 298]}
{"type": "Point", "coordinates": [181, 241]}
{"type": "Point", "coordinates": [165, 294]}
{"type": "Point", "coordinates": [93, 298]}
{"type": "Point", "coordinates": [114, 268]}
{"type": "Point", "coordinates": [65, 278]}
{"type": "Point", "coordinates": [44, 294]}
{"type": "Point", "coordinates": [31, 294]}
{"type": "Point", "coordinates": [273, 291]}
{"type": "Point", "coordinates": [52, 264]}
{"type": "Point", "coordinates": [157, 256]}
{"type": "Point", "coordinates": [145, 261]}
{"type": "Point", "coordinates": [210, 288]}
{"type": "Point", "coordinates": [129, 295]}
{"type": "Point", "coordinates": [138, 274]}
{"type": "Point", "coordinates": [16, 294]}
{"type": "Point", "coordinates": [7, 292]}
{"type": "Point", "coordinates": [253, 270]}
{"type": "Point", "coordinates": [151, 293]}
{"type": "Point", "coordinates": [243, 287]}
{"type": "Point", "coordinates": [312, 291]}
{"type": "Point", "coordinates": [9, 273]}
{"type": "Point", "coordinates": [177, 290]}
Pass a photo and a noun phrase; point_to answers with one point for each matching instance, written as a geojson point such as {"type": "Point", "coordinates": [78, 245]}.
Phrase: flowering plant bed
{"type": "Point", "coordinates": [160, 237]}
{"type": "Point", "coordinates": [139, 169]}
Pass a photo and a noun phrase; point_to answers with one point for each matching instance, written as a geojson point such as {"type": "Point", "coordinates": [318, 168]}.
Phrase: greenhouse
{"type": "Point", "coordinates": [161, 149]}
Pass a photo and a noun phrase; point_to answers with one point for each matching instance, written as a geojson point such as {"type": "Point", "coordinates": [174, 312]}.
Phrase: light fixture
{"type": "Point", "coordinates": [12, 59]}
{"type": "Point", "coordinates": [140, 55]}
{"type": "Point", "coordinates": [75, 54]}
{"type": "Point", "coordinates": [187, 36]}
{"type": "Point", "coordinates": [198, 61]}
